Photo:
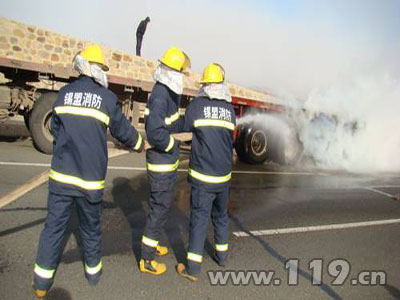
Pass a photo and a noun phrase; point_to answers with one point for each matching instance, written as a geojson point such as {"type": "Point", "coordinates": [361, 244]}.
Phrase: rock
{"type": "Point", "coordinates": [72, 43]}
{"type": "Point", "coordinates": [127, 58]}
{"type": "Point", "coordinates": [150, 64]}
{"type": "Point", "coordinates": [44, 54]}
{"type": "Point", "coordinates": [139, 63]}
{"type": "Point", "coordinates": [54, 57]}
{"type": "Point", "coordinates": [19, 33]}
{"type": "Point", "coordinates": [116, 57]}
{"type": "Point", "coordinates": [4, 46]}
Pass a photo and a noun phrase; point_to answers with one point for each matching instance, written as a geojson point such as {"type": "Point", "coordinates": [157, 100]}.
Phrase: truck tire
{"type": "Point", "coordinates": [293, 152]}
{"type": "Point", "coordinates": [285, 150]}
{"type": "Point", "coordinates": [252, 144]}
{"type": "Point", "coordinates": [39, 122]}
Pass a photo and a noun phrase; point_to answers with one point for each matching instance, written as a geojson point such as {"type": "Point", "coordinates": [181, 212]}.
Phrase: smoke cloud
{"type": "Point", "coordinates": [359, 131]}
{"type": "Point", "coordinates": [351, 126]}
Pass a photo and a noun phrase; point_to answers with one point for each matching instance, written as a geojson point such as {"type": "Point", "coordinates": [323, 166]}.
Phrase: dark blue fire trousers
{"type": "Point", "coordinates": [162, 190]}
{"type": "Point", "coordinates": [52, 238]}
{"type": "Point", "coordinates": [205, 202]}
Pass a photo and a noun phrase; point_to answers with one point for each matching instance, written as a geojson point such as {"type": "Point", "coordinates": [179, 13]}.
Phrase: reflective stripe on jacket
{"type": "Point", "coordinates": [161, 121]}
{"type": "Point", "coordinates": [212, 123]}
{"type": "Point", "coordinates": [81, 115]}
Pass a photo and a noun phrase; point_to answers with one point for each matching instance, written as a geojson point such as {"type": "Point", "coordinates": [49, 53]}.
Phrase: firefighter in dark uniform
{"type": "Point", "coordinates": [162, 159]}
{"type": "Point", "coordinates": [211, 118]}
{"type": "Point", "coordinates": [83, 111]}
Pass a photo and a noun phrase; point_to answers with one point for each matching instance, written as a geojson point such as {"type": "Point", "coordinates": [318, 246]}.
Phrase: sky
{"type": "Point", "coordinates": [284, 46]}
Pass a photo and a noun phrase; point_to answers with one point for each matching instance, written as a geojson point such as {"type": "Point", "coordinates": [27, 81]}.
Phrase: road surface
{"type": "Point", "coordinates": [276, 214]}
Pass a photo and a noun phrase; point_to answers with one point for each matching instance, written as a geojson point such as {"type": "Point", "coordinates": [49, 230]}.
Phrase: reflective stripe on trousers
{"type": "Point", "coordinates": [195, 257]}
{"type": "Point", "coordinates": [149, 242]}
{"type": "Point", "coordinates": [47, 274]}
{"type": "Point", "coordinates": [221, 247]}
{"type": "Point", "coordinates": [94, 270]}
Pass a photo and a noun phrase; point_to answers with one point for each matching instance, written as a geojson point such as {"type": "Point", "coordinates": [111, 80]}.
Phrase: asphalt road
{"type": "Point", "coordinates": [262, 198]}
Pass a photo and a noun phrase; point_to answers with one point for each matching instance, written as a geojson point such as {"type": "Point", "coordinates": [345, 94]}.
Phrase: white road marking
{"type": "Point", "coordinates": [3, 163]}
{"type": "Point", "coordinates": [127, 168]}
{"type": "Point", "coordinates": [281, 173]}
{"type": "Point", "coordinates": [21, 164]}
{"type": "Point", "coordinates": [304, 229]}
{"type": "Point", "coordinates": [380, 192]}
{"type": "Point", "coordinates": [179, 170]}
{"type": "Point", "coordinates": [384, 186]}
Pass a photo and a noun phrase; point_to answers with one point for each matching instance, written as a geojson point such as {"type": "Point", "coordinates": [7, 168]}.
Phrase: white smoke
{"type": "Point", "coordinates": [358, 132]}
{"type": "Point", "coordinates": [351, 126]}
{"type": "Point", "coordinates": [280, 129]}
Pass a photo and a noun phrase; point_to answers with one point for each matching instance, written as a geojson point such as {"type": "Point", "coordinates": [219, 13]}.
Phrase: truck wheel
{"type": "Point", "coordinates": [293, 151]}
{"type": "Point", "coordinates": [285, 150]}
{"type": "Point", "coordinates": [252, 144]}
{"type": "Point", "coordinates": [258, 146]}
{"type": "Point", "coordinates": [39, 123]}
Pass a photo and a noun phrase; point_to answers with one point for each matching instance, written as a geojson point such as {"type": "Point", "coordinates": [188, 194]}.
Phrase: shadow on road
{"type": "Point", "coordinates": [395, 292]}
{"type": "Point", "coordinates": [22, 227]}
{"type": "Point", "coordinates": [132, 195]}
{"type": "Point", "coordinates": [59, 294]}
{"type": "Point", "coordinates": [129, 195]}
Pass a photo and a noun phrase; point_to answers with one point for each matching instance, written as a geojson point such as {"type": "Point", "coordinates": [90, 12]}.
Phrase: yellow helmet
{"type": "Point", "coordinates": [93, 54]}
{"type": "Point", "coordinates": [176, 59]}
{"type": "Point", "coordinates": [213, 73]}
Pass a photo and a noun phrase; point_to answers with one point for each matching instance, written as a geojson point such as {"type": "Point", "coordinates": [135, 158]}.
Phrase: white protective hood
{"type": "Point", "coordinates": [83, 67]}
{"type": "Point", "coordinates": [219, 91]}
{"type": "Point", "coordinates": [172, 79]}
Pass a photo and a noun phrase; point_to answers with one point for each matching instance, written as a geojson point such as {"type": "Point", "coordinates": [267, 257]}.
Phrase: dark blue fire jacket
{"type": "Point", "coordinates": [212, 122]}
{"type": "Point", "coordinates": [81, 115]}
{"type": "Point", "coordinates": [162, 120]}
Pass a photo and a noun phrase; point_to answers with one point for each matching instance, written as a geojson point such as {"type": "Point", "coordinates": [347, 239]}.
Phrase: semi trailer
{"type": "Point", "coordinates": [35, 63]}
